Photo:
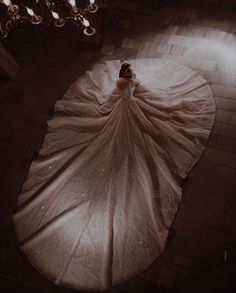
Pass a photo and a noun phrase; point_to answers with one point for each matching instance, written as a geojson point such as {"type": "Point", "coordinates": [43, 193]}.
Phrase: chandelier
{"type": "Point", "coordinates": [57, 11]}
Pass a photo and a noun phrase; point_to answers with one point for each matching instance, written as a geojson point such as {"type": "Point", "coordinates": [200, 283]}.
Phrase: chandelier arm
{"type": "Point", "coordinates": [77, 15]}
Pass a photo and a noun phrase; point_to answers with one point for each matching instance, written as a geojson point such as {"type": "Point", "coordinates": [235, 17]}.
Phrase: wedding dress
{"type": "Point", "coordinates": [100, 198]}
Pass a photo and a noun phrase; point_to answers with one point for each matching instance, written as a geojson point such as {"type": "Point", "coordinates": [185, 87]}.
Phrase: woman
{"type": "Point", "coordinates": [98, 202]}
{"type": "Point", "coordinates": [126, 76]}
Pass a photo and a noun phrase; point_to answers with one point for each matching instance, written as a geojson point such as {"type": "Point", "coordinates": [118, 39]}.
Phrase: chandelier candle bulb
{"type": "Point", "coordinates": [73, 6]}
{"type": "Point", "coordinates": [88, 30]}
{"type": "Point", "coordinates": [55, 15]}
{"type": "Point", "coordinates": [7, 2]}
{"type": "Point", "coordinates": [71, 9]}
{"type": "Point", "coordinates": [30, 11]}
{"type": "Point", "coordinates": [92, 7]}
{"type": "Point", "coordinates": [86, 22]}
{"type": "Point", "coordinates": [36, 19]}
{"type": "Point", "coordinates": [11, 8]}
{"type": "Point", "coordinates": [49, 4]}
{"type": "Point", "coordinates": [59, 22]}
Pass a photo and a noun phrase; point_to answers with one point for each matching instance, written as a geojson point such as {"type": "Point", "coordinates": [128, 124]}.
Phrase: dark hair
{"type": "Point", "coordinates": [123, 67]}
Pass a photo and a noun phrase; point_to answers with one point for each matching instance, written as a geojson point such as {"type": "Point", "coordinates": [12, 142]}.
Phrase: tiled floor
{"type": "Point", "coordinates": [201, 252]}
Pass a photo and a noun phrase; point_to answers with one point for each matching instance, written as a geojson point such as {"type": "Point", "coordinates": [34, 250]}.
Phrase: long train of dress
{"type": "Point", "coordinates": [100, 198]}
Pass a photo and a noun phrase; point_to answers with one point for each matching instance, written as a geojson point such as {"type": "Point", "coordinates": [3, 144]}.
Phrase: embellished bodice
{"type": "Point", "coordinates": [127, 93]}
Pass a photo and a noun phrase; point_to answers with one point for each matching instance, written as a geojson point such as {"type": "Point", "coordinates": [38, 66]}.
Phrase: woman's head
{"type": "Point", "coordinates": [126, 70]}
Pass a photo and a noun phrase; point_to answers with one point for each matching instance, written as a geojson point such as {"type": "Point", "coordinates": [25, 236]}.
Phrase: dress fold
{"type": "Point", "coordinates": [98, 202]}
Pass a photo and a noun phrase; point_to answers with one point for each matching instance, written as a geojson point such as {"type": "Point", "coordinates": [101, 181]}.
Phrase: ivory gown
{"type": "Point", "coordinates": [100, 198]}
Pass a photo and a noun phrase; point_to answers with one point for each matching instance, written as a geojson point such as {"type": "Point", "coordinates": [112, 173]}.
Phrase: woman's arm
{"type": "Point", "coordinates": [122, 83]}
{"type": "Point", "coordinates": [136, 82]}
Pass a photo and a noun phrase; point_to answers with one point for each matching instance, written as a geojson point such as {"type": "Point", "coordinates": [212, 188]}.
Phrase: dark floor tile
{"type": "Point", "coordinates": [212, 255]}
{"type": "Point", "coordinates": [167, 278]}
{"type": "Point", "coordinates": [188, 283]}
{"type": "Point", "coordinates": [136, 285]}
{"type": "Point", "coordinates": [192, 249]}
{"type": "Point", "coordinates": [223, 143]}
{"type": "Point", "coordinates": [11, 285]}
{"type": "Point", "coordinates": [219, 279]}
{"type": "Point", "coordinates": [189, 230]}
{"type": "Point", "coordinates": [192, 213]}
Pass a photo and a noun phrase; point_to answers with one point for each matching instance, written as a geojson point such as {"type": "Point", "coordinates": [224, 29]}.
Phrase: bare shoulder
{"type": "Point", "coordinates": [121, 83]}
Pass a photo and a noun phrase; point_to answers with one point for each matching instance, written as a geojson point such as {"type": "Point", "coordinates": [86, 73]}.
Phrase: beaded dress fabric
{"type": "Point", "coordinates": [100, 198]}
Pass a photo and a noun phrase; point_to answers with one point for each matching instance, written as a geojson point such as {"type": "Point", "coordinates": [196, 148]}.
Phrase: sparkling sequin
{"type": "Point", "coordinates": [131, 144]}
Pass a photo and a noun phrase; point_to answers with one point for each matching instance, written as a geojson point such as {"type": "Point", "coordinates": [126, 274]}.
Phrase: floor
{"type": "Point", "coordinates": [201, 252]}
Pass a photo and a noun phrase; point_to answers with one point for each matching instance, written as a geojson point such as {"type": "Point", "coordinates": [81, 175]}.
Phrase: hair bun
{"type": "Point", "coordinates": [124, 65]}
